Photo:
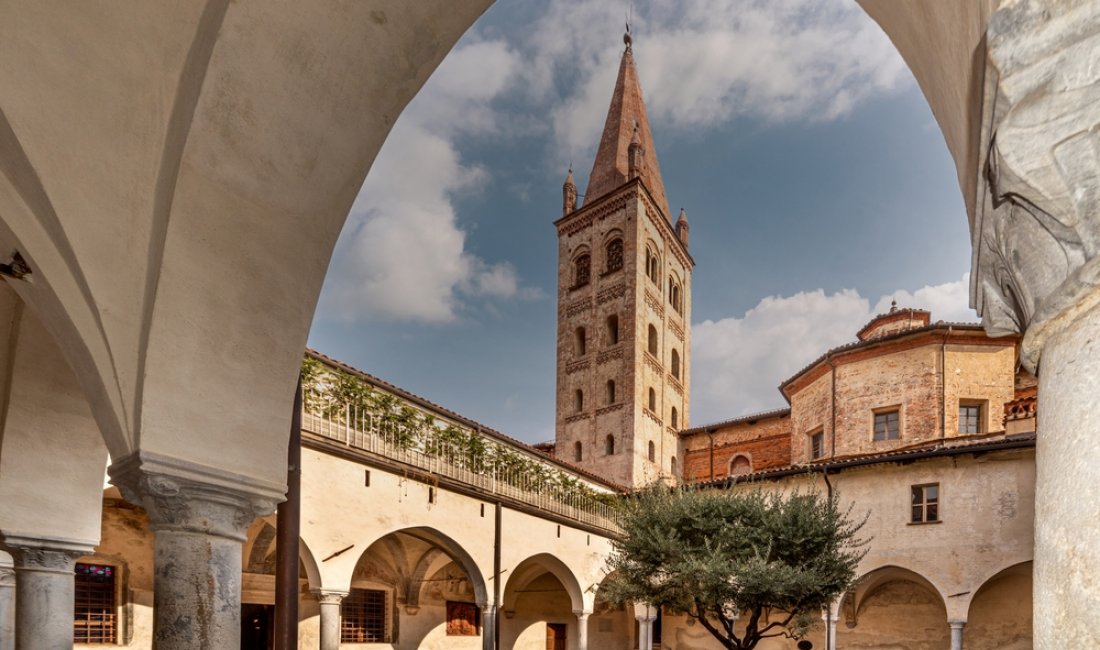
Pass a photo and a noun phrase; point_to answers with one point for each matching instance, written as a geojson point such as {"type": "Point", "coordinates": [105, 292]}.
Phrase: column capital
{"type": "Point", "coordinates": [46, 555]}
{"type": "Point", "coordinates": [581, 613]}
{"type": "Point", "coordinates": [329, 596]}
{"type": "Point", "coordinates": [956, 625]}
{"type": "Point", "coordinates": [182, 496]}
{"type": "Point", "coordinates": [1036, 233]}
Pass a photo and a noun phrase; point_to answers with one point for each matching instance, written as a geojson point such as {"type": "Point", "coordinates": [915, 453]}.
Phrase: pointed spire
{"type": "Point", "coordinates": [682, 227]}
{"type": "Point", "coordinates": [627, 124]}
{"type": "Point", "coordinates": [569, 194]}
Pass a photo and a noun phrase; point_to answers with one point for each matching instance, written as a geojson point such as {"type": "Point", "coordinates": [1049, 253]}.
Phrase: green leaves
{"type": "Point", "coordinates": [712, 553]}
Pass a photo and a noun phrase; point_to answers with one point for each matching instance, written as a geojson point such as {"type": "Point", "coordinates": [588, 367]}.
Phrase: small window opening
{"type": "Point", "coordinates": [652, 400]}
{"type": "Point", "coordinates": [578, 400]}
{"type": "Point", "coordinates": [675, 418]}
{"type": "Point", "coordinates": [612, 329]}
{"type": "Point", "coordinates": [675, 364]}
{"type": "Point", "coordinates": [926, 503]}
{"type": "Point", "coordinates": [817, 445]}
{"type": "Point", "coordinates": [652, 452]}
{"type": "Point", "coordinates": [886, 425]}
{"type": "Point", "coordinates": [653, 340]}
{"type": "Point", "coordinates": [610, 391]}
{"type": "Point", "coordinates": [579, 341]}
{"type": "Point", "coordinates": [970, 418]}
{"type": "Point", "coordinates": [740, 465]}
{"type": "Point", "coordinates": [609, 445]}
{"type": "Point", "coordinates": [578, 452]}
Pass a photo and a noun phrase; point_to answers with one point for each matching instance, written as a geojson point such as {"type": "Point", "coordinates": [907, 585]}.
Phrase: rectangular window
{"type": "Point", "coordinates": [94, 618]}
{"type": "Point", "coordinates": [817, 445]}
{"type": "Point", "coordinates": [926, 503]}
{"type": "Point", "coordinates": [886, 425]}
{"type": "Point", "coordinates": [970, 418]}
{"type": "Point", "coordinates": [363, 617]}
{"type": "Point", "coordinates": [463, 619]}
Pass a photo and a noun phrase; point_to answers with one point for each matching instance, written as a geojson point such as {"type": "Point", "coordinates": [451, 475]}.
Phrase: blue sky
{"type": "Point", "coordinates": [817, 185]}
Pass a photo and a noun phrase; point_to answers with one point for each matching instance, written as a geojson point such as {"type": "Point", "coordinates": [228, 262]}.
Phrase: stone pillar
{"type": "Point", "coordinates": [956, 634]}
{"type": "Point", "coordinates": [44, 590]}
{"type": "Point", "coordinates": [582, 628]}
{"type": "Point", "coordinates": [7, 608]}
{"type": "Point", "coordinates": [645, 614]}
{"type": "Point", "coordinates": [1036, 272]}
{"type": "Point", "coordinates": [488, 626]}
{"type": "Point", "coordinates": [831, 619]}
{"type": "Point", "coordinates": [199, 527]}
{"type": "Point", "coordinates": [330, 617]}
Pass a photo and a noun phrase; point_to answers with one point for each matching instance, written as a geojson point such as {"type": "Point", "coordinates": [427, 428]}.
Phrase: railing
{"type": "Point", "coordinates": [368, 433]}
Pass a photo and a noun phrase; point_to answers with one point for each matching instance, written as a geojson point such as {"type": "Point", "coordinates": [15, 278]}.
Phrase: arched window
{"type": "Point", "coordinates": [610, 391]}
{"type": "Point", "coordinates": [578, 452]}
{"type": "Point", "coordinates": [652, 452]}
{"type": "Point", "coordinates": [653, 340]}
{"type": "Point", "coordinates": [582, 270]}
{"type": "Point", "coordinates": [609, 445]}
{"type": "Point", "coordinates": [612, 329]}
{"type": "Point", "coordinates": [675, 363]}
{"type": "Point", "coordinates": [579, 341]}
{"type": "Point", "coordinates": [675, 418]}
{"type": "Point", "coordinates": [653, 266]}
{"type": "Point", "coordinates": [740, 464]}
{"type": "Point", "coordinates": [652, 400]}
{"type": "Point", "coordinates": [614, 255]}
{"type": "Point", "coordinates": [672, 467]}
{"type": "Point", "coordinates": [674, 294]}
{"type": "Point", "coordinates": [578, 400]}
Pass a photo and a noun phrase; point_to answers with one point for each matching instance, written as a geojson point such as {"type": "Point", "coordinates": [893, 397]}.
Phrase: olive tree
{"type": "Point", "coordinates": [772, 562]}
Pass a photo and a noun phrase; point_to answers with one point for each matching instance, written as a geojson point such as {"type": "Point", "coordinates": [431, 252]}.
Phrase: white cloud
{"type": "Point", "coordinates": [738, 363]}
{"type": "Point", "coordinates": [402, 255]}
{"type": "Point", "coordinates": [705, 62]}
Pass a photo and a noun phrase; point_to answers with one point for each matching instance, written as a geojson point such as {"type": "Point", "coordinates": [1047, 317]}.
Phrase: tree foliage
{"type": "Point", "coordinates": [769, 561]}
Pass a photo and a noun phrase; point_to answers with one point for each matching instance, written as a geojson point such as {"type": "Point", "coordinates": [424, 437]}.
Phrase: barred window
{"type": "Point", "coordinates": [95, 620]}
{"type": "Point", "coordinates": [582, 270]}
{"type": "Point", "coordinates": [363, 617]}
{"type": "Point", "coordinates": [614, 255]}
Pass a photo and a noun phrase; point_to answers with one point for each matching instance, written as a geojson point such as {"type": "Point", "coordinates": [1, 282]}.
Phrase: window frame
{"type": "Point", "coordinates": [979, 418]}
{"type": "Point", "coordinates": [817, 444]}
{"type": "Point", "coordinates": [108, 634]}
{"type": "Point", "coordinates": [919, 508]}
{"type": "Point", "coordinates": [886, 412]}
{"type": "Point", "coordinates": [348, 633]}
{"type": "Point", "coordinates": [609, 445]}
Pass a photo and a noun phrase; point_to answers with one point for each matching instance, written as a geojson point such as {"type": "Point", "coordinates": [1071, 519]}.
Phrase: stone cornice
{"type": "Point", "coordinates": [653, 363]}
{"type": "Point", "coordinates": [654, 303]}
{"type": "Point", "coordinates": [617, 290]}
{"type": "Point", "coordinates": [676, 329]}
{"type": "Point", "coordinates": [577, 417]}
{"type": "Point", "coordinates": [576, 366]}
{"type": "Point", "coordinates": [675, 383]}
{"type": "Point", "coordinates": [578, 306]}
{"type": "Point", "coordinates": [610, 408]}
{"type": "Point", "coordinates": [610, 355]}
{"type": "Point", "coordinates": [653, 416]}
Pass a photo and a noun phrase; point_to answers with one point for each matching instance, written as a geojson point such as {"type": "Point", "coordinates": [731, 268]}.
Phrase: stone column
{"type": "Point", "coordinates": [1037, 272]}
{"type": "Point", "coordinates": [199, 527]}
{"type": "Point", "coordinates": [582, 628]}
{"type": "Point", "coordinates": [329, 601]}
{"type": "Point", "coordinates": [645, 614]}
{"type": "Point", "coordinates": [7, 607]}
{"type": "Point", "coordinates": [488, 626]}
{"type": "Point", "coordinates": [956, 634]}
{"type": "Point", "coordinates": [44, 590]}
{"type": "Point", "coordinates": [831, 619]}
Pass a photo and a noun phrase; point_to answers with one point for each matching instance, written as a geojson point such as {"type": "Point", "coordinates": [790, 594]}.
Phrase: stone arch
{"type": "Point", "coordinates": [259, 554]}
{"type": "Point", "coordinates": [999, 614]}
{"type": "Point", "coordinates": [535, 566]}
{"type": "Point", "coordinates": [893, 602]}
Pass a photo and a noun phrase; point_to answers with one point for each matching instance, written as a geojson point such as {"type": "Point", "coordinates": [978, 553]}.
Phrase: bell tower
{"type": "Point", "coordinates": [624, 306]}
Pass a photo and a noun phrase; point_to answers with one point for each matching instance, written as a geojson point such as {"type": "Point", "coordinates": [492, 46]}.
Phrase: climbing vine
{"type": "Point", "coordinates": [341, 396]}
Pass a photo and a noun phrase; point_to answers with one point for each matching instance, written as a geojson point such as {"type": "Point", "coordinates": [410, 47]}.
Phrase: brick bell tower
{"type": "Point", "coordinates": [624, 306]}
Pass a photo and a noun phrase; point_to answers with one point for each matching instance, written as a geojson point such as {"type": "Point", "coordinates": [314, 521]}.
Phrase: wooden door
{"type": "Point", "coordinates": [555, 636]}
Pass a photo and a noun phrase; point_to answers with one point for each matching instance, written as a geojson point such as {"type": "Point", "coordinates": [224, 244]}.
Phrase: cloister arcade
{"type": "Point", "coordinates": [173, 178]}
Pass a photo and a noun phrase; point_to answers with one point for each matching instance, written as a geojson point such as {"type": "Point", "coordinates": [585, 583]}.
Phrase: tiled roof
{"type": "Point", "coordinates": [737, 420]}
{"type": "Point", "coordinates": [461, 419]}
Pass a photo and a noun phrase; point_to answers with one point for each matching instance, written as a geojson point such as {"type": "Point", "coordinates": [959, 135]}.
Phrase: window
{"type": "Point", "coordinates": [363, 617]}
{"type": "Point", "coordinates": [653, 340]}
{"type": "Point", "coordinates": [582, 270]}
{"type": "Point", "coordinates": [614, 255]}
{"type": "Point", "coordinates": [609, 445]}
{"type": "Point", "coordinates": [740, 464]}
{"type": "Point", "coordinates": [672, 468]}
{"type": "Point", "coordinates": [578, 452]}
{"type": "Point", "coordinates": [610, 391]}
{"type": "Point", "coordinates": [817, 445]}
{"type": "Point", "coordinates": [578, 400]}
{"type": "Point", "coordinates": [675, 418]}
{"type": "Point", "coordinates": [94, 619]}
{"type": "Point", "coordinates": [463, 619]}
{"type": "Point", "coordinates": [675, 363]}
{"type": "Point", "coordinates": [674, 297]}
{"type": "Point", "coordinates": [652, 400]}
{"type": "Point", "coordinates": [652, 452]}
{"type": "Point", "coordinates": [970, 418]}
{"type": "Point", "coordinates": [579, 341]}
{"type": "Point", "coordinates": [652, 266]}
{"type": "Point", "coordinates": [612, 329]}
{"type": "Point", "coordinates": [926, 503]}
{"type": "Point", "coordinates": [886, 425]}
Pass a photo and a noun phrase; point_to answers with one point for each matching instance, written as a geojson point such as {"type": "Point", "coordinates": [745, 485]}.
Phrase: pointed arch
{"type": "Point", "coordinates": [535, 566]}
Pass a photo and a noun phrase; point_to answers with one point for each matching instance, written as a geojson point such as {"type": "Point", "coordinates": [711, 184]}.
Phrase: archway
{"type": "Point", "coordinates": [412, 588]}
{"type": "Point", "coordinates": [1000, 612]}
{"type": "Point", "coordinates": [894, 607]}
{"type": "Point", "coordinates": [541, 597]}
{"type": "Point", "coordinates": [610, 626]}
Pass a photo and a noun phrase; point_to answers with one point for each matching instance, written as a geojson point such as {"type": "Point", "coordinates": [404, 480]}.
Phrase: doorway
{"type": "Point", "coordinates": [555, 636]}
{"type": "Point", "coordinates": [257, 627]}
